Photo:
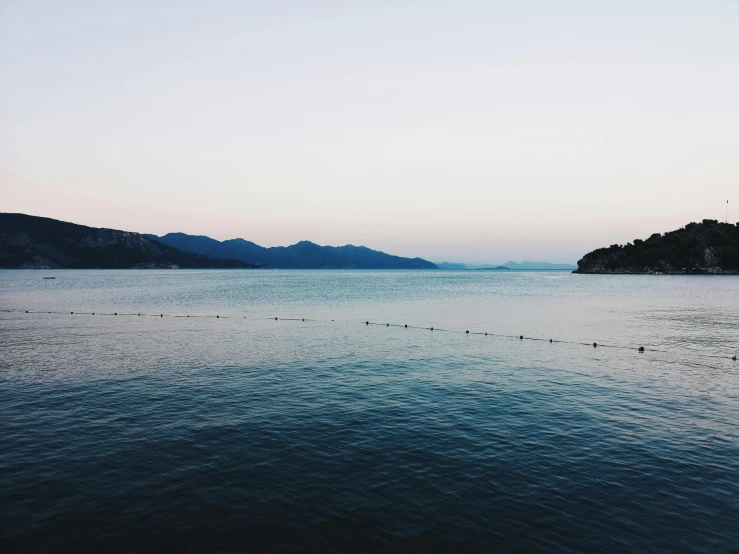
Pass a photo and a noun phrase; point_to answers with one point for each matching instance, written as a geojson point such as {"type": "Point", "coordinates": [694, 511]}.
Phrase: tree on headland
{"type": "Point", "coordinates": [705, 247]}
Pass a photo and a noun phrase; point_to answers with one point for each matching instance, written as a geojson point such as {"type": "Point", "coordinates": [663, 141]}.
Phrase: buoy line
{"type": "Point", "coordinates": [367, 323]}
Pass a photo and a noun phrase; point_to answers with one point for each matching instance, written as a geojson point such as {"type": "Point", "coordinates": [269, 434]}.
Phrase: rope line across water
{"type": "Point", "coordinates": [367, 323]}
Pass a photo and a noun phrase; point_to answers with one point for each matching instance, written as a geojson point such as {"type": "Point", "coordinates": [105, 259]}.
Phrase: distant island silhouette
{"type": "Point", "coordinates": [39, 242]}
{"type": "Point", "coordinates": [708, 247]}
{"type": "Point", "coordinates": [509, 266]}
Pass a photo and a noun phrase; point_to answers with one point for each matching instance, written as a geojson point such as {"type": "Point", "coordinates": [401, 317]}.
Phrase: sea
{"type": "Point", "coordinates": [368, 411]}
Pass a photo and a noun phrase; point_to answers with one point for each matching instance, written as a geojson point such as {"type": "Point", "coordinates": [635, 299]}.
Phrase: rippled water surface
{"type": "Point", "coordinates": [242, 433]}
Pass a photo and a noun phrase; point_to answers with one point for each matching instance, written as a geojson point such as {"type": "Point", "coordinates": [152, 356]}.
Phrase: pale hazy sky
{"type": "Point", "coordinates": [463, 131]}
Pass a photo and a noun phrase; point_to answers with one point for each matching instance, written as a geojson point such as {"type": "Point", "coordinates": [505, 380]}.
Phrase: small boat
{"type": "Point", "coordinates": [49, 277]}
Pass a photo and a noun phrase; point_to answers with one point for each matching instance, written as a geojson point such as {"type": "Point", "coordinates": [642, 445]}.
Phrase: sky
{"type": "Point", "coordinates": [465, 131]}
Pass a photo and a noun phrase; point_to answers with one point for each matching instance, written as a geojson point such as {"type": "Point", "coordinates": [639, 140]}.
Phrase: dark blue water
{"type": "Point", "coordinates": [126, 433]}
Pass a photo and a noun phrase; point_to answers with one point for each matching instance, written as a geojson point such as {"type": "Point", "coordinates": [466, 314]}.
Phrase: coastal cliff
{"type": "Point", "coordinates": [708, 247]}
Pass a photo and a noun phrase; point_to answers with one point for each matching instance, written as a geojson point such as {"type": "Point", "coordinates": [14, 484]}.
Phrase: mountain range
{"type": "Point", "coordinates": [39, 242]}
{"type": "Point", "coordinates": [303, 255]}
{"type": "Point", "coordinates": [31, 242]}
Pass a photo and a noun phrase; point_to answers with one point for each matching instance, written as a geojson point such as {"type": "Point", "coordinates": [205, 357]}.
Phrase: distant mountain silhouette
{"type": "Point", "coordinates": [451, 265]}
{"type": "Point", "coordinates": [706, 247]}
{"type": "Point", "coordinates": [39, 242]}
{"type": "Point", "coordinates": [538, 265]}
{"type": "Point", "coordinates": [509, 266]}
{"type": "Point", "coordinates": [303, 255]}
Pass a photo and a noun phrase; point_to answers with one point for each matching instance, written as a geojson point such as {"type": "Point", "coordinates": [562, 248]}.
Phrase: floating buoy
{"type": "Point", "coordinates": [139, 315]}
{"type": "Point", "coordinates": [640, 349]}
{"type": "Point", "coordinates": [734, 358]}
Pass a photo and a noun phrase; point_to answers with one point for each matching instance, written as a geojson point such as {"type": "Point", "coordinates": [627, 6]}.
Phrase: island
{"type": "Point", "coordinates": [708, 247]}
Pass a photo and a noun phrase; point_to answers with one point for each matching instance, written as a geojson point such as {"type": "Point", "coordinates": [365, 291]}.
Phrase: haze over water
{"type": "Point", "coordinates": [123, 433]}
{"type": "Point", "coordinates": [469, 131]}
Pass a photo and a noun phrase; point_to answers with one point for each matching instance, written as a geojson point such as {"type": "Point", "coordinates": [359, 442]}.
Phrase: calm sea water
{"type": "Point", "coordinates": [241, 433]}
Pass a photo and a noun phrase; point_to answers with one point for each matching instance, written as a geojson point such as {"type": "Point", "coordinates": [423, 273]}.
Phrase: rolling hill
{"type": "Point", "coordinates": [706, 247]}
{"type": "Point", "coordinates": [39, 242]}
